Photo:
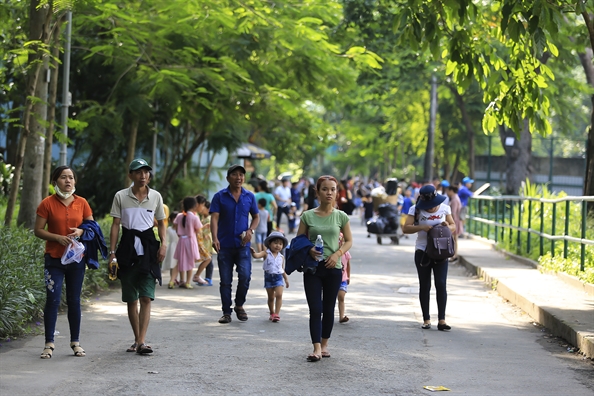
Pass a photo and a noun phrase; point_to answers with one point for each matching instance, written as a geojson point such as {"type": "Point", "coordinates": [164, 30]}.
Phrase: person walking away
{"type": "Point", "coordinates": [230, 210]}
{"type": "Point", "coordinates": [464, 193]}
{"type": "Point", "coordinates": [169, 263]}
{"type": "Point", "coordinates": [321, 287]}
{"type": "Point", "coordinates": [428, 212]}
{"type": "Point", "coordinates": [270, 206]}
{"type": "Point", "coordinates": [204, 246]}
{"type": "Point", "coordinates": [456, 208]}
{"type": "Point", "coordinates": [367, 210]}
{"type": "Point", "coordinates": [138, 253]}
{"type": "Point", "coordinates": [274, 272]}
{"type": "Point", "coordinates": [261, 230]}
{"type": "Point", "coordinates": [406, 205]}
{"type": "Point", "coordinates": [346, 280]}
{"type": "Point", "coordinates": [282, 194]}
{"type": "Point", "coordinates": [188, 225]}
{"type": "Point", "coordinates": [62, 213]}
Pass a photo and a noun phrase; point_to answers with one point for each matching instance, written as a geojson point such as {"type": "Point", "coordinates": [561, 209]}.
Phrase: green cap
{"type": "Point", "coordinates": [139, 163]}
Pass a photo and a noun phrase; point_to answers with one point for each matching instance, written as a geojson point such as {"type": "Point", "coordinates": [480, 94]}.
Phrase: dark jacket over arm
{"type": "Point", "coordinates": [93, 240]}
{"type": "Point", "coordinates": [297, 255]}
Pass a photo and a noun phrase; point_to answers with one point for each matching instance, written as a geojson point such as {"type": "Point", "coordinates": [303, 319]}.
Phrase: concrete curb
{"type": "Point", "coordinates": [551, 318]}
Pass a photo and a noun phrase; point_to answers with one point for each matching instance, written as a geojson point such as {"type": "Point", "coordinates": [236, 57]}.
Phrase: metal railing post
{"type": "Point", "coordinates": [584, 224]}
{"type": "Point", "coordinates": [566, 242]}
{"type": "Point", "coordinates": [554, 223]}
{"type": "Point", "coordinates": [541, 227]}
{"type": "Point", "coordinates": [528, 247]}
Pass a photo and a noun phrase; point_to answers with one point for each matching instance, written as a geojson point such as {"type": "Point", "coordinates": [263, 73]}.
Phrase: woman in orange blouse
{"type": "Point", "coordinates": [58, 218]}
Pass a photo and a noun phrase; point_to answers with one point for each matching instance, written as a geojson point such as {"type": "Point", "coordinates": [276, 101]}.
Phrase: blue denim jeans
{"type": "Point", "coordinates": [440, 274]}
{"type": "Point", "coordinates": [241, 258]}
{"type": "Point", "coordinates": [321, 290]}
{"type": "Point", "coordinates": [55, 275]}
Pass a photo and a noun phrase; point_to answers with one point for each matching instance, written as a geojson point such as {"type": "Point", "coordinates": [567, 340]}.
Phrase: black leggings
{"type": "Point", "coordinates": [321, 290]}
{"type": "Point", "coordinates": [440, 273]}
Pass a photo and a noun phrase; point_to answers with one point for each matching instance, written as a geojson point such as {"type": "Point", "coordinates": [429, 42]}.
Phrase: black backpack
{"type": "Point", "coordinates": [440, 243]}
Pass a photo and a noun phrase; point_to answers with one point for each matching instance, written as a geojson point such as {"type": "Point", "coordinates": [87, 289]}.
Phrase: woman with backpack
{"type": "Point", "coordinates": [430, 211]}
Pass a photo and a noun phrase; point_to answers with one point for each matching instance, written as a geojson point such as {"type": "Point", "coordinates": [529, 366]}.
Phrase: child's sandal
{"type": "Point", "coordinates": [77, 349]}
{"type": "Point", "coordinates": [48, 350]}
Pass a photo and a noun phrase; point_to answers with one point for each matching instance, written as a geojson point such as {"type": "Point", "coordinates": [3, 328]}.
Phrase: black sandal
{"type": "Point", "coordinates": [241, 314]}
{"type": "Point", "coordinates": [143, 349]}
{"type": "Point", "coordinates": [132, 348]}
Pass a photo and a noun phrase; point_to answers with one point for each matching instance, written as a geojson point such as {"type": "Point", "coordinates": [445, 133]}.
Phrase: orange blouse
{"type": "Point", "coordinates": [61, 218]}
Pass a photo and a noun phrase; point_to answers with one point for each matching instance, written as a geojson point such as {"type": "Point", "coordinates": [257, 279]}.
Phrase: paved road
{"type": "Point", "coordinates": [493, 348]}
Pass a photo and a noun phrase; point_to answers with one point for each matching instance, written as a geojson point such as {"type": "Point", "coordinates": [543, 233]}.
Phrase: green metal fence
{"type": "Point", "coordinates": [527, 224]}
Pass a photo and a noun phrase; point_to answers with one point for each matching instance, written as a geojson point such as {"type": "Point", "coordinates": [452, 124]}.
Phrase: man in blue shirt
{"type": "Point", "coordinates": [464, 193]}
{"type": "Point", "coordinates": [230, 209]}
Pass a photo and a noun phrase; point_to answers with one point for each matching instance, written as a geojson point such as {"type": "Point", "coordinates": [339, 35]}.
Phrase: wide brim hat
{"type": "Point", "coordinates": [429, 198]}
{"type": "Point", "coordinates": [276, 235]}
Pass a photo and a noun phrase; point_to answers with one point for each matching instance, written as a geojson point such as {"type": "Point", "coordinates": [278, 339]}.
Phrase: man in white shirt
{"type": "Point", "coordinates": [282, 194]}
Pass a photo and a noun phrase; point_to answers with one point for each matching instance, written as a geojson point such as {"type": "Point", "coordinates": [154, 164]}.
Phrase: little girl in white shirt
{"type": "Point", "coordinates": [275, 277]}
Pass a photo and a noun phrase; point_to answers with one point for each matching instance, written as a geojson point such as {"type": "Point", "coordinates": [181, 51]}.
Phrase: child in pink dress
{"type": "Point", "coordinates": [186, 252]}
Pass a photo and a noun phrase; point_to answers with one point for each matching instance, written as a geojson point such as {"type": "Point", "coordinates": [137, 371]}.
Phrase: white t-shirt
{"type": "Point", "coordinates": [426, 218]}
{"type": "Point", "coordinates": [284, 193]}
{"type": "Point", "coordinates": [273, 265]}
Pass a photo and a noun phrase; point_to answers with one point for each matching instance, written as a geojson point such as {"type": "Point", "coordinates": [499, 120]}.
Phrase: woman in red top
{"type": "Point", "coordinates": [62, 213]}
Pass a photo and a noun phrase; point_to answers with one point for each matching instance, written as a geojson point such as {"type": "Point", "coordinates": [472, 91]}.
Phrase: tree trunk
{"type": "Point", "coordinates": [131, 147]}
{"type": "Point", "coordinates": [39, 21]}
{"type": "Point", "coordinates": [429, 152]}
{"type": "Point", "coordinates": [586, 60]}
{"type": "Point", "coordinates": [469, 132]}
{"type": "Point", "coordinates": [518, 153]}
{"type": "Point", "coordinates": [185, 158]}
{"type": "Point", "coordinates": [51, 114]}
{"type": "Point", "coordinates": [589, 69]}
{"type": "Point", "coordinates": [33, 160]}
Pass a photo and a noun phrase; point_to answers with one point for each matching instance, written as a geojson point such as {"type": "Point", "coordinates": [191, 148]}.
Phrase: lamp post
{"type": "Point", "coordinates": [66, 97]}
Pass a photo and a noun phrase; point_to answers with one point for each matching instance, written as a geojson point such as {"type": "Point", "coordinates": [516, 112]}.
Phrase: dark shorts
{"type": "Point", "coordinates": [136, 284]}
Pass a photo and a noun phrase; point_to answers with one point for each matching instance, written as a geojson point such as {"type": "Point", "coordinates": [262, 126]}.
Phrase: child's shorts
{"type": "Point", "coordinates": [273, 280]}
{"type": "Point", "coordinates": [343, 286]}
{"type": "Point", "coordinates": [260, 237]}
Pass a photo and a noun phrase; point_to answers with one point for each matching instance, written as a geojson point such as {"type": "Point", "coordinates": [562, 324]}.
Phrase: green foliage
{"type": "Point", "coordinates": [22, 287]}
{"type": "Point", "coordinates": [548, 217]}
{"type": "Point", "coordinates": [6, 174]}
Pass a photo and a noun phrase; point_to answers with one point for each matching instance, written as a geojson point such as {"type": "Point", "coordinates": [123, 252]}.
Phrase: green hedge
{"type": "Point", "coordinates": [22, 286]}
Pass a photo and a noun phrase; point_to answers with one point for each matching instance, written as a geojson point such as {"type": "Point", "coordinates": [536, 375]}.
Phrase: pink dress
{"type": "Point", "coordinates": [186, 251]}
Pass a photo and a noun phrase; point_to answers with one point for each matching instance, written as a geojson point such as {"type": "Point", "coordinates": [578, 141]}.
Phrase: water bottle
{"type": "Point", "coordinates": [319, 246]}
{"type": "Point", "coordinates": [113, 269]}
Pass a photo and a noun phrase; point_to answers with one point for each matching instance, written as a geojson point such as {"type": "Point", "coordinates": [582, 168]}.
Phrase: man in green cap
{"type": "Point", "coordinates": [138, 253]}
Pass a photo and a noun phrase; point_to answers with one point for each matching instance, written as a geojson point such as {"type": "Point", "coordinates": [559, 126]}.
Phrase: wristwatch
{"type": "Point", "coordinates": [112, 252]}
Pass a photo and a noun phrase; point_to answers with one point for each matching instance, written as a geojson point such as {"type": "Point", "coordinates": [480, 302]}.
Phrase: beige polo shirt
{"type": "Point", "coordinates": [136, 215]}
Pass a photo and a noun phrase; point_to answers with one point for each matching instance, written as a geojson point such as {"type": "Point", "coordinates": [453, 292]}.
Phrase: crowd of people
{"type": "Point", "coordinates": [239, 214]}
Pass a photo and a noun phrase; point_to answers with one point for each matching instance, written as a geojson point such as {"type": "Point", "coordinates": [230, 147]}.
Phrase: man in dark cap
{"type": "Point", "coordinates": [138, 253]}
{"type": "Point", "coordinates": [231, 235]}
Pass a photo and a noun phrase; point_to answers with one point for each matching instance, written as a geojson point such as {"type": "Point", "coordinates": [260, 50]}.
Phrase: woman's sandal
{"type": "Point", "coordinates": [77, 349]}
{"type": "Point", "coordinates": [132, 347]}
{"type": "Point", "coordinates": [48, 350]}
{"type": "Point", "coordinates": [313, 358]}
